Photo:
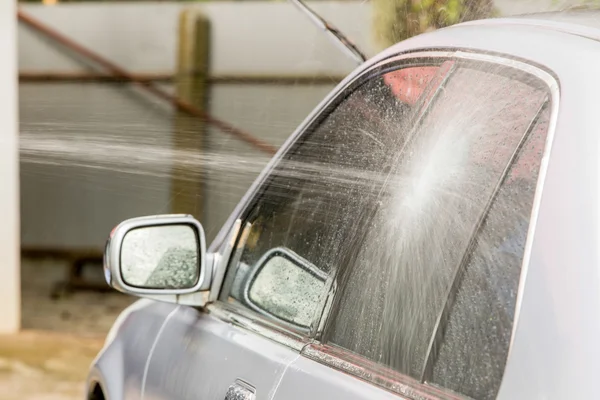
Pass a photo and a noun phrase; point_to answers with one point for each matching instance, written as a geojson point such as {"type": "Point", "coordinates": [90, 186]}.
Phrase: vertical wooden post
{"type": "Point", "coordinates": [10, 266]}
{"type": "Point", "coordinates": [188, 135]}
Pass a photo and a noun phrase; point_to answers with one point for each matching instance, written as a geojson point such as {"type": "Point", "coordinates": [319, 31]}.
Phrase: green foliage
{"type": "Point", "coordinates": [396, 20]}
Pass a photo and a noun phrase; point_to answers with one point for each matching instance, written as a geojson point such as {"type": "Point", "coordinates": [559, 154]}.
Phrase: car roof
{"type": "Point", "coordinates": [499, 34]}
{"type": "Point", "coordinates": [588, 17]}
{"type": "Point", "coordinates": [581, 21]}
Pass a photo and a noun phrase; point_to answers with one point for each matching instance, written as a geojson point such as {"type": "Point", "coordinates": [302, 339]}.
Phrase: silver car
{"type": "Point", "coordinates": [430, 231]}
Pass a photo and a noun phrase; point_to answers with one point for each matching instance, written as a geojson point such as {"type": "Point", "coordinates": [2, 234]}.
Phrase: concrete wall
{"type": "Point", "coordinates": [66, 206]}
{"type": "Point", "coordinates": [10, 284]}
{"type": "Point", "coordinates": [247, 37]}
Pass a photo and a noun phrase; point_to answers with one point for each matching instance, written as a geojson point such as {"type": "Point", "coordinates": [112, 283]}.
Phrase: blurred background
{"type": "Point", "coordinates": [134, 108]}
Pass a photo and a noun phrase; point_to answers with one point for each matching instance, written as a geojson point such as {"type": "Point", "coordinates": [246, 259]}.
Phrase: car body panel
{"type": "Point", "coordinates": [200, 356]}
{"type": "Point", "coordinates": [308, 379]}
{"type": "Point", "coordinates": [120, 366]}
{"type": "Point", "coordinates": [554, 352]}
{"type": "Point", "coordinates": [576, 16]}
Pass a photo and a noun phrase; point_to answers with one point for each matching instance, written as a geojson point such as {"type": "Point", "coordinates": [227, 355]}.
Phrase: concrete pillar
{"type": "Point", "coordinates": [10, 282]}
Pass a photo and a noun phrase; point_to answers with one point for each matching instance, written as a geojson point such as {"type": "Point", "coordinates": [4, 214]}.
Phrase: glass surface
{"type": "Point", "coordinates": [160, 257]}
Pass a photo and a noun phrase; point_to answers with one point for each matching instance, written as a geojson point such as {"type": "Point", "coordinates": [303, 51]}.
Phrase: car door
{"type": "Point", "coordinates": [198, 356]}
{"type": "Point", "coordinates": [410, 200]}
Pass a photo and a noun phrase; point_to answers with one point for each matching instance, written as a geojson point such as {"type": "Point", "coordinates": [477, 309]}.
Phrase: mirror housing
{"type": "Point", "coordinates": [157, 255]}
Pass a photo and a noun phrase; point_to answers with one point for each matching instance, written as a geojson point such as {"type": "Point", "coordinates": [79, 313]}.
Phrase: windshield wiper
{"type": "Point", "coordinates": [338, 37]}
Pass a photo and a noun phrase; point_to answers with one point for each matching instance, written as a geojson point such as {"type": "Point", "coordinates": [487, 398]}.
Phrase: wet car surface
{"type": "Point", "coordinates": [428, 232]}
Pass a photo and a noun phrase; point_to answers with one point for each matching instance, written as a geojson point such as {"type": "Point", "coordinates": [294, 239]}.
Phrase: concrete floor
{"type": "Point", "coordinates": [82, 313]}
{"type": "Point", "coordinates": [43, 365]}
{"type": "Point", "coordinates": [50, 358]}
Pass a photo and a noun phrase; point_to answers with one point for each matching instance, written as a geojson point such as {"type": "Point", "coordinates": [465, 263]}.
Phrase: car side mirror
{"type": "Point", "coordinates": [286, 287]}
{"type": "Point", "coordinates": [163, 254]}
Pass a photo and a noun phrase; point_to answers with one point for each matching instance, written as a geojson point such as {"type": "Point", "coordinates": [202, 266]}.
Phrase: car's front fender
{"type": "Point", "coordinates": [120, 366]}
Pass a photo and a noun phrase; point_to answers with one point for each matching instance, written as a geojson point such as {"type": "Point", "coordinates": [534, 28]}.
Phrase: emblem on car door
{"type": "Point", "coordinates": [240, 390]}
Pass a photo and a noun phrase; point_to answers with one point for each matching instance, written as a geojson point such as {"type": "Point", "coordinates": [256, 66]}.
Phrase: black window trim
{"type": "Point", "coordinates": [316, 351]}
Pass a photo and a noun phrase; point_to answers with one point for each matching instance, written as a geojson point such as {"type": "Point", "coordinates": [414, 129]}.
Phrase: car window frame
{"type": "Point", "coordinates": [334, 356]}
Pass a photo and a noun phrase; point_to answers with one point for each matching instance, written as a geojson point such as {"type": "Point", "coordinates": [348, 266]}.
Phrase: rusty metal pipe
{"type": "Point", "coordinates": [62, 76]}
{"type": "Point", "coordinates": [28, 76]}
{"type": "Point", "coordinates": [148, 86]}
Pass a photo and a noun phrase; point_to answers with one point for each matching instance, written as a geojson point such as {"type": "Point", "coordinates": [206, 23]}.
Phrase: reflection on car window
{"type": "Point", "coordinates": [413, 196]}
{"type": "Point", "coordinates": [286, 287]}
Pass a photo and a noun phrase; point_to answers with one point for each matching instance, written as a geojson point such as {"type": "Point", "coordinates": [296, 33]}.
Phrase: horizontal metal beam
{"type": "Point", "coordinates": [68, 253]}
{"type": "Point", "coordinates": [277, 79]}
{"type": "Point", "coordinates": [29, 76]}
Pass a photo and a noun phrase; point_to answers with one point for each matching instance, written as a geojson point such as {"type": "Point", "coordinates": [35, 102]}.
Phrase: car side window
{"type": "Point", "coordinates": [318, 198]}
{"type": "Point", "coordinates": [430, 288]}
